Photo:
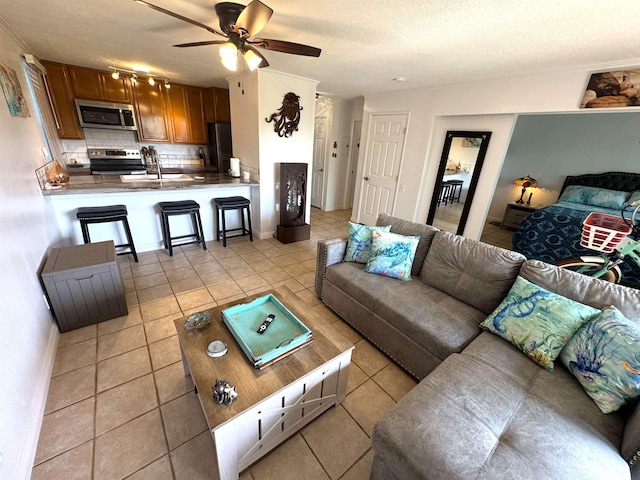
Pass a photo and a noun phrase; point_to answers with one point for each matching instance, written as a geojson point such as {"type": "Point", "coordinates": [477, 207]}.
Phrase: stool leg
{"type": "Point", "coordinates": [127, 231]}
{"type": "Point", "coordinates": [249, 221]}
{"type": "Point", "coordinates": [217, 224]}
{"type": "Point", "coordinates": [164, 229]}
{"type": "Point", "coordinates": [168, 235]}
{"type": "Point", "coordinates": [244, 228]}
{"type": "Point", "coordinates": [224, 227]}
{"type": "Point", "coordinates": [85, 231]}
{"type": "Point", "coordinates": [200, 230]}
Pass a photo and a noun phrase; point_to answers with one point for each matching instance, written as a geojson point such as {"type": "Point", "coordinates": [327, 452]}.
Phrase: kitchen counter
{"type": "Point", "coordinates": [88, 184]}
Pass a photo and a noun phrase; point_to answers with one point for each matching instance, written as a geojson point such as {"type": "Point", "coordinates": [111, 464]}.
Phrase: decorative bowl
{"type": "Point", "coordinates": [197, 320]}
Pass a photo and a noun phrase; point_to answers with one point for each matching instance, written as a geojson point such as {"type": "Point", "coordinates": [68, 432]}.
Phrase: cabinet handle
{"type": "Point", "coordinates": [84, 278]}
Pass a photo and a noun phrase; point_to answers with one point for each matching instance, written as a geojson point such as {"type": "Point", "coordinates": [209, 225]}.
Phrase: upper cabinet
{"type": "Point", "coordinates": [187, 115]}
{"type": "Point", "coordinates": [152, 111]}
{"type": "Point", "coordinates": [98, 85]}
{"type": "Point", "coordinates": [216, 105]}
{"type": "Point", "coordinates": [58, 86]}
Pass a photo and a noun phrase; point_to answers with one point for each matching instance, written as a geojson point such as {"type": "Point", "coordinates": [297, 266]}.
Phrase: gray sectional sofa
{"type": "Point", "coordinates": [482, 409]}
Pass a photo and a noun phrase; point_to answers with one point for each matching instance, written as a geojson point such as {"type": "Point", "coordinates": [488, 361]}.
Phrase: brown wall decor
{"type": "Point", "coordinates": [287, 118]}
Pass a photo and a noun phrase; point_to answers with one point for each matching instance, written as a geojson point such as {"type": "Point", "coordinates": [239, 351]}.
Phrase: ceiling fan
{"type": "Point", "coordinates": [239, 24]}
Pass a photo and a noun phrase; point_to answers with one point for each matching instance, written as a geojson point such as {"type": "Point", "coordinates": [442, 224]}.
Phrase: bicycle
{"type": "Point", "coordinates": [616, 237]}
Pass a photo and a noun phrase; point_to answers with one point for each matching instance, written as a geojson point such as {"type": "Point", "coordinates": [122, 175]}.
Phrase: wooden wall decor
{"type": "Point", "coordinates": [287, 118]}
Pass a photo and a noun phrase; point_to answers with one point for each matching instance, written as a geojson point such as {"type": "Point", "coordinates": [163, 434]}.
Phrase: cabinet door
{"type": "Point", "coordinates": [60, 95]}
{"type": "Point", "coordinates": [216, 105]}
{"type": "Point", "coordinates": [86, 82]}
{"type": "Point", "coordinates": [152, 112]}
{"type": "Point", "coordinates": [195, 106]}
{"type": "Point", "coordinates": [118, 91]}
{"type": "Point", "coordinates": [177, 95]}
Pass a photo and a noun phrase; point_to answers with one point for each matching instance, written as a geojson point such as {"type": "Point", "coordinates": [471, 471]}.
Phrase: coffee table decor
{"type": "Point", "coordinates": [266, 330]}
{"type": "Point", "coordinates": [197, 320]}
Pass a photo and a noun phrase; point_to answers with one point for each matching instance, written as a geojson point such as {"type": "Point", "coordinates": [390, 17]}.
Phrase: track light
{"type": "Point", "coordinates": [134, 78]}
{"type": "Point", "coordinates": [167, 84]}
{"type": "Point", "coordinates": [115, 75]}
{"type": "Point", "coordinates": [152, 82]}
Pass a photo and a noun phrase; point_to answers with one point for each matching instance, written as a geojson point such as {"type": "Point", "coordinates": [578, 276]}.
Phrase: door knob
{"type": "Point", "coordinates": [321, 170]}
{"type": "Point", "coordinates": [366, 178]}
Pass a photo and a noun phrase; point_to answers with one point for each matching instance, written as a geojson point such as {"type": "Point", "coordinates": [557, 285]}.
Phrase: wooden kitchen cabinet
{"type": "Point", "coordinates": [99, 85]}
{"type": "Point", "coordinates": [60, 93]}
{"type": "Point", "coordinates": [216, 105]}
{"type": "Point", "coordinates": [84, 285]}
{"type": "Point", "coordinates": [186, 114]}
{"type": "Point", "coordinates": [152, 112]}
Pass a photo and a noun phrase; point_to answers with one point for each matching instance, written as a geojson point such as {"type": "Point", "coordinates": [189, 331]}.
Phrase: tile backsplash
{"type": "Point", "coordinates": [170, 154]}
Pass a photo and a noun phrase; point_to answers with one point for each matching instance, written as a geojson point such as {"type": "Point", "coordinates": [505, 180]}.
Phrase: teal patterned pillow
{"type": "Point", "coordinates": [359, 244]}
{"type": "Point", "coordinates": [537, 322]}
{"type": "Point", "coordinates": [634, 196]}
{"type": "Point", "coordinates": [604, 355]}
{"type": "Point", "coordinates": [392, 255]}
{"type": "Point", "coordinates": [598, 197]}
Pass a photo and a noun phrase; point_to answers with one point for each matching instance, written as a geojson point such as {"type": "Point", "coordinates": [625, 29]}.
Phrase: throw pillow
{"type": "Point", "coordinates": [604, 355]}
{"type": "Point", "coordinates": [598, 197]}
{"type": "Point", "coordinates": [536, 321]}
{"type": "Point", "coordinates": [359, 244]}
{"type": "Point", "coordinates": [392, 255]}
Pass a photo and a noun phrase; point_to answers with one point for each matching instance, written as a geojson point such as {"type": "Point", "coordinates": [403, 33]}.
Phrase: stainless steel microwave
{"type": "Point", "coordinates": [116, 116]}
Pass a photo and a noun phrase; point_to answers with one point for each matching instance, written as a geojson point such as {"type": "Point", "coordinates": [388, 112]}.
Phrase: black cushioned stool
{"type": "Point", "coordinates": [111, 213]}
{"type": "Point", "coordinates": [183, 207]}
{"type": "Point", "coordinates": [232, 203]}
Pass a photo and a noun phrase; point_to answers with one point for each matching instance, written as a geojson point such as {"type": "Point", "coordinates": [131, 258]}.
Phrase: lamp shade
{"type": "Point", "coordinates": [229, 56]}
{"type": "Point", "coordinates": [526, 182]}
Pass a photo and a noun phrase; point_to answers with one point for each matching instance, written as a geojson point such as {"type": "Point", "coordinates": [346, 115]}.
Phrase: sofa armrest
{"type": "Point", "coordinates": [329, 252]}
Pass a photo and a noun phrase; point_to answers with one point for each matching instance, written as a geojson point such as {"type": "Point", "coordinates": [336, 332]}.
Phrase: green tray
{"type": "Point", "coordinates": [285, 334]}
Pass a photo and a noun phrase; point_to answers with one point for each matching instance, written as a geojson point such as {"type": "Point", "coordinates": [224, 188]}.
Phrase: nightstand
{"type": "Point", "coordinates": [515, 214]}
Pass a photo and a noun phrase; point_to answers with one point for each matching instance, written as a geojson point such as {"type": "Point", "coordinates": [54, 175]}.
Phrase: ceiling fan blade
{"type": "Point", "coordinates": [252, 19]}
{"type": "Point", "coordinates": [179, 17]}
{"type": "Point", "coordinates": [199, 44]}
{"type": "Point", "coordinates": [286, 47]}
{"type": "Point", "coordinates": [264, 62]}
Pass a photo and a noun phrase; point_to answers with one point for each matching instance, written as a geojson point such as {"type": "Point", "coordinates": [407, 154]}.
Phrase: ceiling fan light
{"type": "Point", "coordinates": [253, 60]}
{"type": "Point", "coordinates": [229, 56]}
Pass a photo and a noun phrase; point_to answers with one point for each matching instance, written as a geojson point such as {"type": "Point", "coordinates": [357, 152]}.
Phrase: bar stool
{"type": "Point", "coordinates": [445, 192]}
{"type": "Point", "coordinates": [111, 213]}
{"type": "Point", "coordinates": [182, 207]}
{"type": "Point", "coordinates": [456, 190]}
{"type": "Point", "coordinates": [232, 203]}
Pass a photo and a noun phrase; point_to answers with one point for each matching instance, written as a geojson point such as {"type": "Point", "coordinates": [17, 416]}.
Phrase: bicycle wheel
{"type": "Point", "coordinates": [590, 268]}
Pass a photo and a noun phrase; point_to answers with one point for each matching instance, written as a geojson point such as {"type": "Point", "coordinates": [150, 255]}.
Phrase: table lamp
{"type": "Point", "coordinates": [525, 182]}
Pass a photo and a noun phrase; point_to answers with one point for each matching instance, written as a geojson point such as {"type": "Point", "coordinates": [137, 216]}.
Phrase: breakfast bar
{"type": "Point", "coordinates": [141, 195]}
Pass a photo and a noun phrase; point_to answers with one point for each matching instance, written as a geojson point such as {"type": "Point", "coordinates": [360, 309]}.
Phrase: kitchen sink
{"type": "Point", "coordinates": [166, 177]}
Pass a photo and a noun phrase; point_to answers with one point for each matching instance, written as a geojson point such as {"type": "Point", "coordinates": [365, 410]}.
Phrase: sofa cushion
{"type": "Point", "coordinates": [392, 255]}
{"type": "Point", "coordinates": [405, 227]}
{"type": "Point", "coordinates": [604, 355]}
{"type": "Point", "coordinates": [359, 243]}
{"type": "Point", "coordinates": [536, 321]}
{"type": "Point", "coordinates": [471, 271]}
{"type": "Point", "coordinates": [490, 413]}
{"type": "Point", "coordinates": [439, 322]}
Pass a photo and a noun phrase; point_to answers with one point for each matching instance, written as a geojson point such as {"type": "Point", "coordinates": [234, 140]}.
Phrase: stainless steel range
{"type": "Point", "coordinates": [111, 161]}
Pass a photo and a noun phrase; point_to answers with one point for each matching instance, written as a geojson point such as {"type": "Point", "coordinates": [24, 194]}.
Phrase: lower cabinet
{"type": "Point", "coordinates": [84, 285]}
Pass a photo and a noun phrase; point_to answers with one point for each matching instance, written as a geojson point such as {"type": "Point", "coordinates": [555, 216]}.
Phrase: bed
{"type": "Point", "coordinates": [552, 233]}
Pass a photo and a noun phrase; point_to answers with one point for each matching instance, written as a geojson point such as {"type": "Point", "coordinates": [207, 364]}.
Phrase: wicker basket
{"type": "Point", "coordinates": [603, 232]}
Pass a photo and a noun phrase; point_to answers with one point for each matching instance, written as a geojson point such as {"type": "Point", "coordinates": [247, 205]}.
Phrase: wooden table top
{"type": "Point", "coordinates": [253, 385]}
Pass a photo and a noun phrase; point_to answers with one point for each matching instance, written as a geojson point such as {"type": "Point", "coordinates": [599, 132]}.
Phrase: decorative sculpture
{"type": "Point", "coordinates": [224, 393]}
{"type": "Point", "coordinates": [287, 118]}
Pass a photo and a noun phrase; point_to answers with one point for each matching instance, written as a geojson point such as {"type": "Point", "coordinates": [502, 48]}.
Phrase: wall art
{"type": "Point", "coordinates": [620, 88]}
{"type": "Point", "coordinates": [16, 101]}
{"type": "Point", "coordinates": [287, 118]}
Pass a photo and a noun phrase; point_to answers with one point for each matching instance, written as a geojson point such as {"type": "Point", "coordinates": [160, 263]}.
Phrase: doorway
{"type": "Point", "coordinates": [353, 162]}
{"type": "Point", "coordinates": [460, 166]}
{"type": "Point", "coordinates": [383, 161]}
{"type": "Point", "coordinates": [317, 168]}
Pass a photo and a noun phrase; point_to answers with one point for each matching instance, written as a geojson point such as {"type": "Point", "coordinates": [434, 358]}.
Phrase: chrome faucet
{"type": "Point", "coordinates": [154, 156]}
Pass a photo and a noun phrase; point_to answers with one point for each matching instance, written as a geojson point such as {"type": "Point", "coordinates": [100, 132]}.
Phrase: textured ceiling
{"type": "Point", "coordinates": [365, 44]}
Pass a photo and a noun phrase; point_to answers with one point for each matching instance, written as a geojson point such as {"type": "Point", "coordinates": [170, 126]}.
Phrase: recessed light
{"type": "Point", "coordinates": [399, 79]}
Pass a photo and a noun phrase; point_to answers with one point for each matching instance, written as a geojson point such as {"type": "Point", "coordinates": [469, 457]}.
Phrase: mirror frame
{"type": "Point", "coordinates": [444, 158]}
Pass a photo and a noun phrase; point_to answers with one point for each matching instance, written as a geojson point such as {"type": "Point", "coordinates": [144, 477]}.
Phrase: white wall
{"type": "Point", "coordinates": [28, 335]}
{"type": "Point", "coordinates": [547, 92]}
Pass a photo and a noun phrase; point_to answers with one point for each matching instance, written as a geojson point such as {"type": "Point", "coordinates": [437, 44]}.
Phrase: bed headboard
{"type": "Point", "coordinates": [625, 181]}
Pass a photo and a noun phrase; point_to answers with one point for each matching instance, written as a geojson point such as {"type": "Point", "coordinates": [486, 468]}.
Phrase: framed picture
{"type": "Point", "coordinates": [13, 92]}
{"type": "Point", "coordinates": [470, 142]}
{"type": "Point", "coordinates": [619, 88]}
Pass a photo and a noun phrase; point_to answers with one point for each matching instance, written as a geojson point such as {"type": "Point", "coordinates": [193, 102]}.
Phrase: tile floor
{"type": "Point", "coordinates": [119, 405]}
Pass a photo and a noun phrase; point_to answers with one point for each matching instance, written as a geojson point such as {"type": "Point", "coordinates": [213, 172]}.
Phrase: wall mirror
{"type": "Point", "coordinates": [460, 165]}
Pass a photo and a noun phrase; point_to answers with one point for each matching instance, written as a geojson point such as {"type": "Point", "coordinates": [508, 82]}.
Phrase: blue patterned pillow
{"type": "Point", "coordinates": [392, 255]}
{"type": "Point", "coordinates": [536, 321]}
{"type": "Point", "coordinates": [634, 196]}
{"type": "Point", "coordinates": [359, 244]}
{"type": "Point", "coordinates": [598, 197]}
{"type": "Point", "coordinates": [604, 355]}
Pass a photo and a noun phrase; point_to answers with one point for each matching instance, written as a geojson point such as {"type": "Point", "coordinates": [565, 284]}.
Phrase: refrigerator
{"type": "Point", "coordinates": [219, 148]}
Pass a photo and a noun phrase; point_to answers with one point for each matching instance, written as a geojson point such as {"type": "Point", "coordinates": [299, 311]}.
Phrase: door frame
{"type": "Point", "coordinates": [364, 152]}
{"type": "Point", "coordinates": [324, 109]}
{"type": "Point", "coordinates": [352, 164]}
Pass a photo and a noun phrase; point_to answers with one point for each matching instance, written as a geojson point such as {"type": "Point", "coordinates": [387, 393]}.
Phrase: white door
{"type": "Point", "coordinates": [385, 145]}
{"type": "Point", "coordinates": [319, 155]}
{"type": "Point", "coordinates": [353, 161]}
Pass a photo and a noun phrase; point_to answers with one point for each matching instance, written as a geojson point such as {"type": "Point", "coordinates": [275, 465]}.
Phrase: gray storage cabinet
{"type": "Point", "coordinates": [84, 284]}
